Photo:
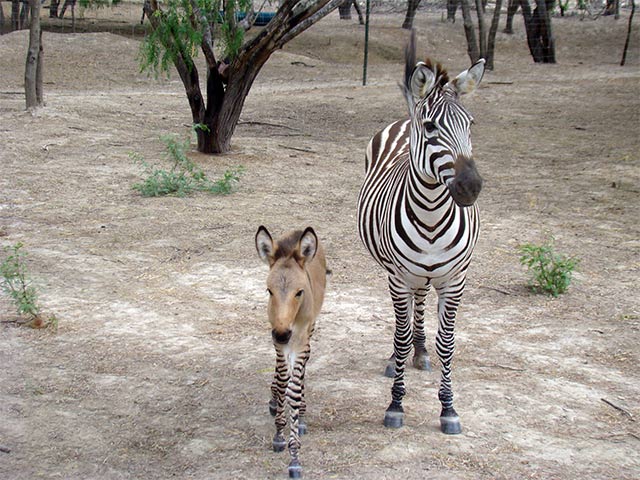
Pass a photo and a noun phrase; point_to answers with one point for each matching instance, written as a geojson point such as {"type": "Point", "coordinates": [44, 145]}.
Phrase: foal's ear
{"type": "Point", "coordinates": [469, 80]}
{"type": "Point", "coordinates": [308, 245]}
{"type": "Point", "coordinates": [264, 244]}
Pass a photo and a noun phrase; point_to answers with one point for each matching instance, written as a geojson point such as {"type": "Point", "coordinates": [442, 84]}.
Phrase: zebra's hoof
{"type": "Point", "coordinates": [390, 370]}
{"type": "Point", "coordinates": [273, 406]}
{"type": "Point", "coordinates": [421, 362]}
{"type": "Point", "coordinates": [295, 469]}
{"type": "Point", "coordinates": [393, 419]}
{"type": "Point", "coordinates": [450, 425]}
{"type": "Point", "coordinates": [302, 427]}
{"type": "Point", "coordinates": [279, 443]}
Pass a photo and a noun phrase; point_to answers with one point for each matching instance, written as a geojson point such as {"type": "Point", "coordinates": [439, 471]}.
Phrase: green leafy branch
{"type": "Point", "coordinates": [16, 283]}
{"type": "Point", "coordinates": [550, 272]}
{"type": "Point", "coordinates": [184, 176]}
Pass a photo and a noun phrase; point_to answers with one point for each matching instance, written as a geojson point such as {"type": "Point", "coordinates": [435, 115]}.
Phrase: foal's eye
{"type": "Point", "coordinates": [430, 127]}
{"type": "Point", "coordinates": [299, 294]}
{"type": "Point", "coordinates": [270, 292]}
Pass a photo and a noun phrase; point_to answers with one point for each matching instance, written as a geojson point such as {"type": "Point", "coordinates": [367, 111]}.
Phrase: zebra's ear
{"type": "Point", "coordinates": [469, 80]}
{"type": "Point", "coordinates": [308, 244]}
{"type": "Point", "coordinates": [421, 82]}
{"type": "Point", "coordinates": [264, 245]}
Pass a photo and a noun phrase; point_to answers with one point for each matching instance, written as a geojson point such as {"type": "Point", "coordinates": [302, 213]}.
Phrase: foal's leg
{"type": "Point", "coordinates": [420, 356]}
{"type": "Point", "coordinates": [402, 299]}
{"type": "Point", "coordinates": [294, 394]}
{"type": "Point", "coordinates": [280, 381]}
{"type": "Point", "coordinates": [448, 301]}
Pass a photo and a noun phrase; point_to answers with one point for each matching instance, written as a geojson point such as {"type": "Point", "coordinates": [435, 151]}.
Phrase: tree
{"type": "Point", "coordinates": [182, 27]}
{"type": "Point", "coordinates": [345, 10]}
{"type": "Point", "coordinates": [412, 6]}
{"type": "Point", "coordinates": [484, 45]}
{"type": "Point", "coordinates": [538, 27]}
{"type": "Point", "coordinates": [33, 68]}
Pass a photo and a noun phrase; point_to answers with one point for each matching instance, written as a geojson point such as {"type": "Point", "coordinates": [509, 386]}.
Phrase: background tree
{"type": "Point", "coordinates": [345, 10]}
{"type": "Point", "coordinates": [182, 27]}
{"type": "Point", "coordinates": [482, 45]}
{"type": "Point", "coordinates": [412, 6]}
{"type": "Point", "coordinates": [33, 68]}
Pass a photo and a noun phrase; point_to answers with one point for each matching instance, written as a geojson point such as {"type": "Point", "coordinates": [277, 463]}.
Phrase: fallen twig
{"type": "Point", "coordinates": [504, 292]}
{"type": "Point", "coordinates": [619, 408]}
{"type": "Point", "coordinates": [253, 122]}
{"type": "Point", "coordinates": [504, 367]}
{"type": "Point", "coordinates": [305, 150]}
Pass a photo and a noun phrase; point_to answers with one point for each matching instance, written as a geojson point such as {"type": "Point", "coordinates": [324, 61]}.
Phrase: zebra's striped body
{"type": "Point", "coordinates": [418, 218]}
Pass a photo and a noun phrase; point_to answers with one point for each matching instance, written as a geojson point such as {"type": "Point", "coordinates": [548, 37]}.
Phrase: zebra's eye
{"type": "Point", "coordinates": [430, 127]}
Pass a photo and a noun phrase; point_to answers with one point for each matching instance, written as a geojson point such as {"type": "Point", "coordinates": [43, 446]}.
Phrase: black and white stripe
{"type": "Point", "coordinates": [418, 218]}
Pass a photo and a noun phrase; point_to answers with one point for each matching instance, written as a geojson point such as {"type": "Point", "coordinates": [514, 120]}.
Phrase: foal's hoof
{"type": "Point", "coordinates": [295, 469]}
{"type": "Point", "coordinates": [273, 406]}
{"type": "Point", "coordinates": [450, 425]}
{"type": "Point", "coordinates": [279, 443]}
{"type": "Point", "coordinates": [393, 419]}
{"type": "Point", "coordinates": [421, 362]}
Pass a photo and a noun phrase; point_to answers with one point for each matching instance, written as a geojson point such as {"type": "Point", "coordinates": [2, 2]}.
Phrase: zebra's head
{"type": "Point", "coordinates": [441, 126]}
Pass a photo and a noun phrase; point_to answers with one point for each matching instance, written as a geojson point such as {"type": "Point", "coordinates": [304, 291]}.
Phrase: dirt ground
{"type": "Point", "coordinates": [161, 364]}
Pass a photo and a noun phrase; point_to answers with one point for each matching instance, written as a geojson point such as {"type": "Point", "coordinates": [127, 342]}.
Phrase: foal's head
{"type": "Point", "coordinates": [289, 282]}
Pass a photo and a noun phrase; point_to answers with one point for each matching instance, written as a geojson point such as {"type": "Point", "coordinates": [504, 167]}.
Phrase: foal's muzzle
{"type": "Point", "coordinates": [281, 337]}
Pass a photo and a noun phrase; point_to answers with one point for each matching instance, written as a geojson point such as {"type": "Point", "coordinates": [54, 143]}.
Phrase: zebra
{"type": "Point", "coordinates": [418, 218]}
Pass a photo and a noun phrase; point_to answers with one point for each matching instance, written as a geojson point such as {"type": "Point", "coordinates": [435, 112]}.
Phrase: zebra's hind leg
{"type": "Point", "coordinates": [394, 416]}
{"type": "Point", "coordinates": [448, 302]}
{"type": "Point", "coordinates": [420, 356]}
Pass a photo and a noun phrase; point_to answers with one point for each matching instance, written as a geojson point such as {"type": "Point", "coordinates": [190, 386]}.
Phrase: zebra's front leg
{"type": "Point", "coordinates": [295, 399]}
{"type": "Point", "coordinates": [445, 345]}
{"type": "Point", "coordinates": [278, 388]}
{"type": "Point", "coordinates": [394, 415]}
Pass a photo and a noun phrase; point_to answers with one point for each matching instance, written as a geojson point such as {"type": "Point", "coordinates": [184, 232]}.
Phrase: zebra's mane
{"type": "Point", "coordinates": [442, 76]}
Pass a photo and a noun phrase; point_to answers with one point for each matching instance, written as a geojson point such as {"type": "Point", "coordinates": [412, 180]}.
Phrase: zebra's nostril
{"type": "Point", "coordinates": [281, 337]}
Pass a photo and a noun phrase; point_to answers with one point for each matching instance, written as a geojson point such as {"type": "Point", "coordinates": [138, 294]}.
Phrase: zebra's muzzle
{"type": "Point", "coordinates": [466, 185]}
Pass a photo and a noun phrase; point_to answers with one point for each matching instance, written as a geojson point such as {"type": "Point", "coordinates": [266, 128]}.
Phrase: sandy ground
{"type": "Point", "coordinates": [161, 363]}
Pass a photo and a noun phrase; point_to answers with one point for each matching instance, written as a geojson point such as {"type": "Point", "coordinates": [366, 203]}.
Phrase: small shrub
{"type": "Point", "coordinates": [184, 177]}
{"type": "Point", "coordinates": [550, 272]}
{"type": "Point", "coordinates": [16, 283]}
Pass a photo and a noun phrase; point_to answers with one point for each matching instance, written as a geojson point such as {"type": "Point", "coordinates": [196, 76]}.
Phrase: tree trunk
{"type": "Point", "coordinates": [493, 30]}
{"type": "Point", "coordinates": [482, 34]}
{"type": "Point", "coordinates": [412, 6]}
{"type": "Point", "coordinates": [472, 44]}
{"type": "Point", "coordinates": [345, 10]}
{"type": "Point", "coordinates": [53, 8]}
{"type": "Point", "coordinates": [359, 12]}
{"type": "Point", "coordinates": [544, 30]}
{"type": "Point", "coordinates": [33, 68]}
{"type": "Point", "coordinates": [452, 6]}
{"type": "Point", "coordinates": [626, 42]}
{"type": "Point", "coordinates": [511, 12]}
{"type": "Point", "coordinates": [15, 15]}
